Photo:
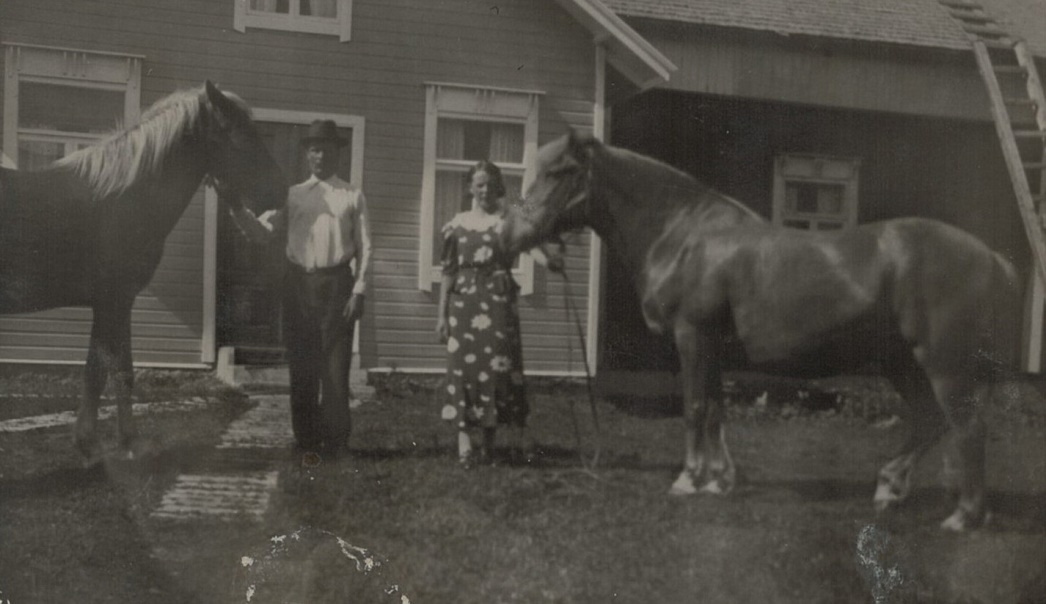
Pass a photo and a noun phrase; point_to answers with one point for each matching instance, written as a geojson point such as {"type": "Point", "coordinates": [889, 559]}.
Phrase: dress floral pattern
{"type": "Point", "coordinates": [484, 354]}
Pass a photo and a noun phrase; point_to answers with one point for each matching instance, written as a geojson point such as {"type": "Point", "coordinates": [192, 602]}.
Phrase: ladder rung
{"type": "Point", "coordinates": [1019, 102]}
{"type": "Point", "coordinates": [984, 30]}
{"type": "Point", "coordinates": [1029, 133]}
{"type": "Point", "coordinates": [1007, 45]}
{"type": "Point", "coordinates": [1035, 165]}
{"type": "Point", "coordinates": [1014, 69]}
{"type": "Point", "coordinates": [968, 15]}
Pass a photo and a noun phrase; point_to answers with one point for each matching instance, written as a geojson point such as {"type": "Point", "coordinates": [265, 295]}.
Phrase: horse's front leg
{"type": "Point", "coordinates": [95, 376]}
{"type": "Point", "coordinates": [108, 360]}
{"type": "Point", "coordinates": [707, 465]}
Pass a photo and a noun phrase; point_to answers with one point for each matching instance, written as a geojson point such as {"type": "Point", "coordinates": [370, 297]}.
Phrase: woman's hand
{"type": "Point", "coordinates": [442, 330]}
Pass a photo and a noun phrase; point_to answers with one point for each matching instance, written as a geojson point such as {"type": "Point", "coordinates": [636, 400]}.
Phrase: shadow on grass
{"type": "Point", "coordinates": [57, 482]}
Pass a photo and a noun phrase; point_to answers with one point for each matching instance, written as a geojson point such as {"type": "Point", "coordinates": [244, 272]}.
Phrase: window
{"type": "Point", "coordinates": [328, 17]}
{"type": "Point", "coordinates": [60, 100]}
{"type": "Point", "coordinates": [463, 125]}
{"type": "Point", "coordinates": [815, 192]}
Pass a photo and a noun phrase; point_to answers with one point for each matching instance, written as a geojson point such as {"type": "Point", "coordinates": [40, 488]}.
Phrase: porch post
{"type": "Point", "coordinates": [595, 247]}
{"type": "Point", "coordinates": [1031, 335]}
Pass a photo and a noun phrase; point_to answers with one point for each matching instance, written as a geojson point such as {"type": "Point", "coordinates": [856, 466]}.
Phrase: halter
{"type": "Point", "coordinates": [229, 194]}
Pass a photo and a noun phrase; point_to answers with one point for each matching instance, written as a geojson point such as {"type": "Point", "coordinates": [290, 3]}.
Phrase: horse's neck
{"type": "Point", "coordinates": [644, 200]}
{"type": "Point", "coordinates": [163, 195]}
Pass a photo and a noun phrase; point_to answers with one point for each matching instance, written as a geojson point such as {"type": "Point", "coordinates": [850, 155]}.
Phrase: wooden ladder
{"type": "Point", "coordinates": [1019, 111]}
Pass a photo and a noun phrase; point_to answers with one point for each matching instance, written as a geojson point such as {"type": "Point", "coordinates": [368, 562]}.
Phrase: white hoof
{"type": "Point", "coordinates": [955, 523]}
{"type": "Point", "coordinates": [961, 520]}
{"type": "Point", "coordinates": [885, 496]}
{"type": "Point", "coordinates": [712, 487]}
{"type": "Point", "coordinates": [684, 485]}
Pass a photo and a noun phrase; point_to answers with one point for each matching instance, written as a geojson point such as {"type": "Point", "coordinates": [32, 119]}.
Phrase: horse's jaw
{"type": "Point", "coordinates": [518, 233]}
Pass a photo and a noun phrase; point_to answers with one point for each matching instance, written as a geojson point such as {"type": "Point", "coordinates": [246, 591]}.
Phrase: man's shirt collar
{"type": "Point", "coordinates": [329, 183]}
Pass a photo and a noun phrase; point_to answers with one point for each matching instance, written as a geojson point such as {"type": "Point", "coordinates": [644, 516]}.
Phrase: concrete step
{"type": "Point", "coordinates": [279, 375]}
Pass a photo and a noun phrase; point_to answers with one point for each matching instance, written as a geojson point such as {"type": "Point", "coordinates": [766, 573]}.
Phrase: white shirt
{"type": "Point", "coordinates": [327, 225]}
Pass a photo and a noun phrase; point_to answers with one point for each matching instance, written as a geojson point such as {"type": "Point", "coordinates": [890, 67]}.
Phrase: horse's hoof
{"type": "Point", "coordinates": [684, 485]}
{"type": "Point", "coordinates": [717, 486]}
{"type": "Point", "coordinates": [885, 497]}
{"type": "Point", "coordinates": [91, 452]}
{"type": "Point", "coordinates": [962, 520]}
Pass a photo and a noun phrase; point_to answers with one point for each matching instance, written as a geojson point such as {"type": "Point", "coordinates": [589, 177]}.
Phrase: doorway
{"type": "Point", "coordinates": [248, 275]}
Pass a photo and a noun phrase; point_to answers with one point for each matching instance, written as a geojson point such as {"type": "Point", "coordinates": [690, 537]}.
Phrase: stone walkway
{"type": "Point", "coordinates": [235, 493]}
{"type": "Point", "coordinates": [242, 490]}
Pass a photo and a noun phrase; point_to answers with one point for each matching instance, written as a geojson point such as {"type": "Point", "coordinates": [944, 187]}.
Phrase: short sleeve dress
{"type": "Point", "coordinates": [484, 353]}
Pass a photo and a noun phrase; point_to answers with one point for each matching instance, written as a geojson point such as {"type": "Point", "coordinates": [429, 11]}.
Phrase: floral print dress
{"type": "Point", "coordinates": [484, 354]}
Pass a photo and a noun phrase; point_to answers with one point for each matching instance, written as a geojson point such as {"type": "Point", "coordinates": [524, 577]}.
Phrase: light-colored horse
{"type": "Point", "coordinates": [931, 305]}
{"type": "Point", "coordinates": [89, 230]}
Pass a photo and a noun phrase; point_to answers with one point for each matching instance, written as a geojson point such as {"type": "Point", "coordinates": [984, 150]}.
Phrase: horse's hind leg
{"type": "Point", "coordinates": [963, 401]}
{"type": "Point", "coordinates": [927, 424]}
{"type": "Point", "coordinates": [707, 466]}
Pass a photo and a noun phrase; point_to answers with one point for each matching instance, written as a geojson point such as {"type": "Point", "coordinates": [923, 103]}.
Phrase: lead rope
{"type": "Point", "coordinates": [572, 314]}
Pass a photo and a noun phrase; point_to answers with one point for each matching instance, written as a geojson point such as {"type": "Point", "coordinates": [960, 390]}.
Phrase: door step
{"type": "Point", "coordinates": [239, 369]}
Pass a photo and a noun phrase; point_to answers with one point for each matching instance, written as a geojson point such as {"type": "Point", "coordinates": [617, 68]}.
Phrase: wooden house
{"type": "Point", "coordinates": [817, 113]}
{"type": "Point", "coordinates": [423, 88]}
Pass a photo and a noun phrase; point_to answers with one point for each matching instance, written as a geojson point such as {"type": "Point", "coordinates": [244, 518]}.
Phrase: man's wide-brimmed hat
{"type": "Point", "coordinates": [324, 130]}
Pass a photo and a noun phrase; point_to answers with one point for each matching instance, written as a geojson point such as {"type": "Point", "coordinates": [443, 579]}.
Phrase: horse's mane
{"type": "Point", "coordinates": [675, 178]}
{"type": "Point", "coordinates": [115, 163]}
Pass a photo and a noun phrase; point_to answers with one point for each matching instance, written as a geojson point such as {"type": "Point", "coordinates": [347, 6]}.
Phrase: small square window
{"type": "Point", "coordinates": [815, 192]}
{"type": "Point", "coordinates": [326, 17]}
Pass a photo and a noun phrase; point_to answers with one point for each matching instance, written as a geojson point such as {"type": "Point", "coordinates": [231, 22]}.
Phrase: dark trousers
{"type": "Point", "coordinates": [319, 350]}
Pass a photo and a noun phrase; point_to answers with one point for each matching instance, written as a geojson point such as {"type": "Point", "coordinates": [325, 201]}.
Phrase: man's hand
{"type": "Point", "coordinates": [354, 308]}
{"type": "Point", "coordinates": [256, 229]}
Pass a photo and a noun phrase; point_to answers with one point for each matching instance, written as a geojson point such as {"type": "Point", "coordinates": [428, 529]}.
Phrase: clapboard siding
{"type": "Point", "coordinates": [397, 46]}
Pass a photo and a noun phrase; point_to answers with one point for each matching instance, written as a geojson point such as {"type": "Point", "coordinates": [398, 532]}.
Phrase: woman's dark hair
{"type": "Point", "coordinates": [496, 186]}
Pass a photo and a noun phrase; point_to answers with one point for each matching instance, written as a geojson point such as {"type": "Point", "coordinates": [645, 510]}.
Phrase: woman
{"type": "Point", "coordinates": [479, 320]}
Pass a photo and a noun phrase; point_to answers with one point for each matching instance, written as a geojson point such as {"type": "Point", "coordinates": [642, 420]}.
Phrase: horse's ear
{"type": "Point", "coordinates": [221, 103]}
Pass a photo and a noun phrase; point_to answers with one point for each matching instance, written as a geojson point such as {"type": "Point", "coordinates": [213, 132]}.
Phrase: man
{"type": "Point", "coordinates": [326, 227]}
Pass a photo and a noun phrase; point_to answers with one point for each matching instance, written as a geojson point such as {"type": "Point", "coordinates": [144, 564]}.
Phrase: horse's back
{"type": "Point", "coordinates": [789, 292]}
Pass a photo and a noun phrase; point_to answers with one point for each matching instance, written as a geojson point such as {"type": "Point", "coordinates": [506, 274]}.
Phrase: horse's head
{"type": "Point", "coordinates": [558, 199]}
{"type": "Point", "coordinates": [238, 162]}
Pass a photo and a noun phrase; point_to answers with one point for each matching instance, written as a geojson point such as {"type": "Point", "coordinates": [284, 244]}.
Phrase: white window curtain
{"type": "Point", "coordinates": [320, 8]}
{"type": "Point", "coordinates": [506, 143]}
{"type": "Point", "coordinates": [267, 6]}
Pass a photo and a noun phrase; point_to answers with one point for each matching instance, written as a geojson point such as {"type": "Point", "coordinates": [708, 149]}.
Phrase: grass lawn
{"type": "Point", "coordinates": [799, 528]}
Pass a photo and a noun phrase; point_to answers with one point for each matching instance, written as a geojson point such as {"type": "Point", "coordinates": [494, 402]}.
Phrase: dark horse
{"type": "Point", "coordinates": [930, 304]}
{"type": "Point", "coordinates": [89, 229]}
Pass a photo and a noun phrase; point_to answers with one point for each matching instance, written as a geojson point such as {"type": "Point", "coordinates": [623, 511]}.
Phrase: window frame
{"type": "Point", "coordinates": [818, 169]}
{"type": "Point", "coordinates": [341, 26]}
{"type": "Point", "coordinates": [473, 103]}
{"type": "Point", "coordinates": [73, 68]}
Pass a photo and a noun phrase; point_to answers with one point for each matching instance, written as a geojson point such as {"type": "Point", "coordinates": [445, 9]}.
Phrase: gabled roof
{"type": "Point", "coordinates": [627, 51]}
{"type": "Point", "coordinates": [912, 22]}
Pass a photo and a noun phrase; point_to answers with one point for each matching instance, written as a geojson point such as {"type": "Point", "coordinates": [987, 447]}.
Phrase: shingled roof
{"type": "Point", "coordinates": [912, 22]}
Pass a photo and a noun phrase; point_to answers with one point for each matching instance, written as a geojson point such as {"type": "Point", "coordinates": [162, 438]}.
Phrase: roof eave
{"type": "Point", "coordinates": [627, 51]}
